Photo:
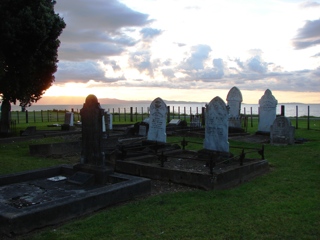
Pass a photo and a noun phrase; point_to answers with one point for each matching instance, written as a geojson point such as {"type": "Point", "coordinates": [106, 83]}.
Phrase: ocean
{"type": "Point", "coordinates": [183, 107]}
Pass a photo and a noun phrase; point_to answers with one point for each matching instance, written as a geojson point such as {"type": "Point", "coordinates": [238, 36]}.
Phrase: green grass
{"type": "Point", "coordinates": [283, 204]}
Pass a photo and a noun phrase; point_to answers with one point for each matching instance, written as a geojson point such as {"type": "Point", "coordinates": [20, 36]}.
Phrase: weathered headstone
{"type": "Point", "coordinates": [281, 131]}
{"type": "Point", "coordinates": [195, 121]}
{"type": "Point", "coordinates": [91, 117]}
{"type": "Point", "coordinates": [267, 111]}
{"type": "Point", "coordinates": [108, 120]}
{"type": "Point", "coordinates": [234, 99]}
{"type": "Point", "coordinates": [68, 118]}
{"type": "Point", "coordinates": [216, 128]}
{"type": "Point", "coordinates": [157, 121]}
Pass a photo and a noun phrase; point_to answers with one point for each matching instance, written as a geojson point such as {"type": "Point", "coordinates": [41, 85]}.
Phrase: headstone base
{"type": "Point", "coordinates": [263, 133]}
{"type": "Point", "coordinates": [100, 173]}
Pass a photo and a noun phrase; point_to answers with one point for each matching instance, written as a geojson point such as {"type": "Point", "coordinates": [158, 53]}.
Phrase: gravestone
{"type": "Point", "coordinates": [234, 99]}
{"type": "Point", "coordinates": [92, 155]}
{"type": "Point", "coordinates": [108, 120]}
{"type": "Point", "coordinates": [157, 121]}
{"type": "Point", "coordinates": [267, 111]}
{"type": "Point", "coordinates": [216, 128]}
{"type": "Point", "coordinates": [92, 135]}
{"type": "Point", "coordinates": [68, 118]}
{"type": "Point", "coordinates": [195, 121]}
{"type": "Point", "coordinates": [281, 131]}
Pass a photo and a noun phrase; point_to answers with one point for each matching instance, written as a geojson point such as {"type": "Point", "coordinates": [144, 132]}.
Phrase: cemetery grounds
{"type": "Point", "coordinates": [282, 204]}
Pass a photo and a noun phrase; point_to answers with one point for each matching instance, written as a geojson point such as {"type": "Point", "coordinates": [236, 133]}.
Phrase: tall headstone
{"type": "Point", "coordinates": [267, 111]}
{"type": "Point", "coordinates": [281, 131]}
{"type": "Point", "coordinates": [157, 121]}
{"type": "Point", "coordinates": [91, 117]}
{"type": "Point", "coordinates": [216, 128]}
{"type": "Point", "coordinates": [234, 100]}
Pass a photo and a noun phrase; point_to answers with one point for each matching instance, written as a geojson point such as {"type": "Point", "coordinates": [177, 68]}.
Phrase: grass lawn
{"type": "Point", "coordinates": [283, 204]}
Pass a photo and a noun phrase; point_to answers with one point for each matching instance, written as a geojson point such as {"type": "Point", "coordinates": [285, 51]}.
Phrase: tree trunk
{"type": "Point", "coordinates": [5, 118]}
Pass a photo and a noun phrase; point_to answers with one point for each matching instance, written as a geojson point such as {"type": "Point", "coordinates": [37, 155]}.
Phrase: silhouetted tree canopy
{"type": "Point", "coordinates": [28, 50]}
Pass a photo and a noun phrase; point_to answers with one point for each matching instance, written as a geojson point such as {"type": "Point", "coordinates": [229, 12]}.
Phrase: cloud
{"type": "Point", "coordinates": [141, 61]}
{"type": "Point", "coordinates": [309, 4]}
{"type": "Point", "coordinates": [308, 35]}
{"type": "Point", "coordinates": [149, 33]}
{"type": "Point", "coordinates": [97, 29]}
{"type": "Point", "coordinates": [82, 72]}
{"type": "Point", "coordinates": [199, 54]}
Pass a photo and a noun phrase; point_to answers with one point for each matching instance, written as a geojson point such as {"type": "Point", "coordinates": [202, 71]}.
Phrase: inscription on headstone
{"type": "Point", "coordinates": [216, 128]}
{"type": "Point", "coordinates": [157, 121]}
{"type": "Point", "coordinates": [234, 99]}
{"type": "Point", "coordinates": [281, 131]}
{"type": "Point", "coordinates": [91, 117]}
{"type": "Point", "coordinates": [267, 111]}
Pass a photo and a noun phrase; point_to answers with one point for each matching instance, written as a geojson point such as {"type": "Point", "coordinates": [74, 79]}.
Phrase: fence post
{"type": "Point", "coordinates": [308, 117]}
{"type": "Point", "coordinates": [297, 117]}
{"type": "Point", "coordinates": [41, 115]}
{"type": "Point", "coordinates": [125, 114]}
{"type": "Point", "coordinates": [168, 115]}
{"type": "Point", "coordinates": [57, 116]}
{"type": "Point", "coordinates": [119, 113]}
{"type": "Point", "coordinates": [141, 114]}
{"type": "Point", "coordinates": [131, 114]}
{"type": "Point", "coordinates": [136, 114]}
{"type": "Point", "coordinates": [179, 112]}
{"type": "Point", "coordinates": [18, 116]}
{"type": "Point", "coordinates": [251, 116]}
{"type": "Point", "coordinates": [48, 116]}
{"type": "Point", "coordinates": [27, 117]}
{"type": "Point", "coordinates": [34, 116]}
{"type": "Point", "coordinates": [184, 113]}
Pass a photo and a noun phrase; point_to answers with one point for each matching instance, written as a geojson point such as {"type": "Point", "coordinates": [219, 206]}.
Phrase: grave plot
{"type": "Point", "coordinates": [205, 169]}
{"type": "Point", "coordinates": [35, 199]}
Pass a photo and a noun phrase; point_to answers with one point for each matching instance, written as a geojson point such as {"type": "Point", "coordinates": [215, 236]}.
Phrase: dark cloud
{"type": "Point", "coordinates": [308, 35]}
{"type": "Point", "coordinates": [97, 29]}
{"type": "Point", "coordinates": [110, 15]}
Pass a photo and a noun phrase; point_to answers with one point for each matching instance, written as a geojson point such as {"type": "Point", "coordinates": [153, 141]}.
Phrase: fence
{"type": "Point", "coordinates": [135, 114]}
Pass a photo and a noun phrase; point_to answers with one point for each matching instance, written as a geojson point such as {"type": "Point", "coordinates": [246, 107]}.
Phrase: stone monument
{"type": "Point", "coordinates": [157, 121]}
{"type": "Point", "coordinates": [267, 111]}
{"type": "Point", "coordinates": [92, 163]}
{"type": "Point", "coordinates": [68, 118]}
{"type": "Point", "coordinates": [234, 99]}
{"type": "Point", "coordinates": [281, 131]}
{"type": "Point", "coordinates": [216, 128]}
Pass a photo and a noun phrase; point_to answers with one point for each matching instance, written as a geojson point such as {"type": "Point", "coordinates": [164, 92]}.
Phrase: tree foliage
{"type": "Point", "coordinates": [28, 49]}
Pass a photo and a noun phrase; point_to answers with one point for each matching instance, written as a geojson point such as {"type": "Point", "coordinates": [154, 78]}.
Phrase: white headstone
{"type": "Point", "coordinates": [234, 99]}
{"type": "Point", "coordinates": [68, 118]}
{"type": "Point", "coordinates": [157, 121]}
{"type": "Point", "coordinates": [108, 120]}
{"type": "Point", "coordinates": [281, 131]}
{"type": "Point", "coordinates": [174, 122]}
{"type": "Point", "coordinates": [216, 129]}
{"type": "Point", "coordinates": [267, 111]}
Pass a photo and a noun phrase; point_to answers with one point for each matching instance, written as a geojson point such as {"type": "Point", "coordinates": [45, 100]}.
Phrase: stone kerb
{"type": "Point", "coordinates": [267, 111]}
{"type": "Point", "coordinates": [234, 100]}
{"type": "Point", "coordinates": [216, 128]}
{"type": "Point", "coordinates": [157, 121]}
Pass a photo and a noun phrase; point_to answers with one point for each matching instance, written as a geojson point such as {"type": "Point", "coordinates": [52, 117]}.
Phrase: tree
{"type": "Point", "coordinates": [28, 52]}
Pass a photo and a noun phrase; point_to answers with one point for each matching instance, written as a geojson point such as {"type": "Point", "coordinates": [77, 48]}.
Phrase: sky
{"type": "Point", "coordinates": [187, 50]}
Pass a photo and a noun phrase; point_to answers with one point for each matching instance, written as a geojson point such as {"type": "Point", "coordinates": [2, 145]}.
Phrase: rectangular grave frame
{"type": "Point", "coordinates": [15, 221]}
